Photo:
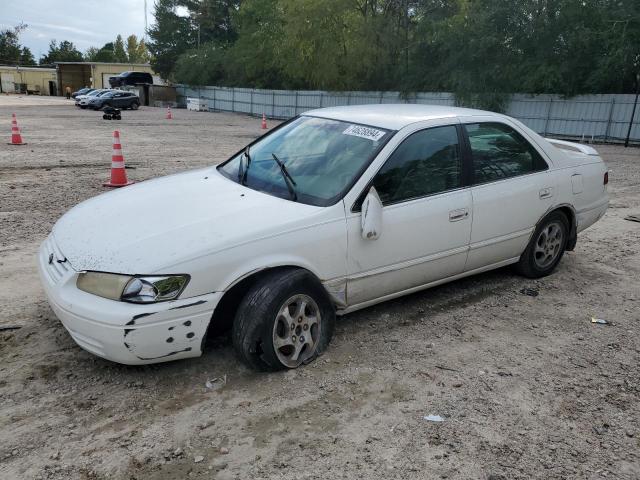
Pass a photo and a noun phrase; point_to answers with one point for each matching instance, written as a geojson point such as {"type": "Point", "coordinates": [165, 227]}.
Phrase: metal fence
{"type": "Point", "coordinates": [594, 118]}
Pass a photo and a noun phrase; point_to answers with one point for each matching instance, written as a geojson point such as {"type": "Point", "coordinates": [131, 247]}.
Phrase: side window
{"type": "Point", "coordinates": [499, 152]}
{"type": "Point", "coordinates": [426, 163]}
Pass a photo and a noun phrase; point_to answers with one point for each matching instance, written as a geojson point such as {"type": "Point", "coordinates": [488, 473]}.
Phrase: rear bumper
{"type": "Point", "coordinates": [122, 332]}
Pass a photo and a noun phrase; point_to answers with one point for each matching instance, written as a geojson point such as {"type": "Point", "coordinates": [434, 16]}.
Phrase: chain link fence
{"type": "Point", "coordinates": [589, 118]}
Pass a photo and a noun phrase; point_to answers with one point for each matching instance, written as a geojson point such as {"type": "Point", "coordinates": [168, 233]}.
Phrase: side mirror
{"type": "Point", "coordinates": [371, 216]}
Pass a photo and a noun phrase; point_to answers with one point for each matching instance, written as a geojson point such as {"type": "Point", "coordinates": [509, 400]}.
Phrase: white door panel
{"type": "Point", "coordinates": [422, 241]}
{"type": "Point", "coordinates": [105, 79]}
{"type": "Point", "coordinates": [504, 215]}
{"type": "Point", "coordinates": [6, 80]}
{"type": "Point", "coordinates": [505, 210]}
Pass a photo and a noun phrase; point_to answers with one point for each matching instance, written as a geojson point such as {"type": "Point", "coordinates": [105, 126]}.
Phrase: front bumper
{"type": "Point", "coordinates": [123, 332]}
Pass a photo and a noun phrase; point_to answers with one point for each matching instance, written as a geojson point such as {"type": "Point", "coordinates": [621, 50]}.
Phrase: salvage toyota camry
{"type": "Point", "coordinates": [332, 211]}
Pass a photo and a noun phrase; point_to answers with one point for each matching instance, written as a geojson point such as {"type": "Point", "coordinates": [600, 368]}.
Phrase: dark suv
{"type": "Point", "coordinates": [131, 78]}
{"type": "Point", "coordinates": [115, 98]}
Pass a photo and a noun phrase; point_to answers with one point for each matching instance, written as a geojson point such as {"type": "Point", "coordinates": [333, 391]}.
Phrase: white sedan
{"type": "Point", "coordinates": [332, 211]}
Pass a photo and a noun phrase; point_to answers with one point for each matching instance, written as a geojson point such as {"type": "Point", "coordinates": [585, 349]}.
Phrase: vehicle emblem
{"type": "Point", "coordinates": [61, 261]}
{"type": "Point", "coordinates": [50, 258]}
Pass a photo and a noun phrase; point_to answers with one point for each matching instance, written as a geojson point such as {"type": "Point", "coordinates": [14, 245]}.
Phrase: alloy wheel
{"type": "Point", "coordinates": [548, 245]}
{"type": "Point", "coordinates": [296, 331]}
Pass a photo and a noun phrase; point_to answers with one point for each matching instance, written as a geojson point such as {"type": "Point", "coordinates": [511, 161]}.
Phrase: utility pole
{"type": "Point", "coordinates": [145, 21]}
{"type": "Point", "coordinates": [406, 37]}
{"type": "Point", "coordinates": [633, 112]}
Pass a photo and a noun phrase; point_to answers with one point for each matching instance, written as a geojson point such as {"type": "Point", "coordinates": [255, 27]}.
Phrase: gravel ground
{"type": "Point", "coordinates": [527, 385]}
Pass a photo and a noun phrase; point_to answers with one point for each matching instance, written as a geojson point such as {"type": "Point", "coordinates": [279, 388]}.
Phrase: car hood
{"type": "Point", "coordinates": [153, 226]}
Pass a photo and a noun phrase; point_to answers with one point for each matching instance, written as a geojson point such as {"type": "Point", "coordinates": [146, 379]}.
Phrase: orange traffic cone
{"type": "Point", "coordinates": [169, 116]}
{"type": "Point", "coordinates": [118, 173]}
{"type": "Point", "coordinates": [264, 122]}
{"type": "Point", "coordinates": [16, 138]}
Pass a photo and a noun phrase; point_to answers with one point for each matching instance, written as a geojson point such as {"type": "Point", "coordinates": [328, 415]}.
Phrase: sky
{"type": "Point", "coordinates": [86, 23]}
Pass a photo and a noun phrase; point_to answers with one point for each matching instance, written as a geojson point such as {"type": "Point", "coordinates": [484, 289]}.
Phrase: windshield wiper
{"type": "Point", "coordinates": [287, 178]}
{"type": "Point", "coordinates": [242, 169]}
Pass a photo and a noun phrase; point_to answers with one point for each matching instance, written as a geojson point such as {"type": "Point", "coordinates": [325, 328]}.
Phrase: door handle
{"type": "Point", "coordinates": [459, 214]}
{"type": "Point", "coordinates": [546, 193]}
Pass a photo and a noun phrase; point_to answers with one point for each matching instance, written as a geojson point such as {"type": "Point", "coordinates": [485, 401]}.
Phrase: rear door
{"type": "Point", "coordinates": [119, 100]}
{"type": "Point", "coordinates": [512, 189]}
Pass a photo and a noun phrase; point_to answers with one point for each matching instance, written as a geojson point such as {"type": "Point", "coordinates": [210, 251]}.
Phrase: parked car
{"type": "Point", "coordinates": [335, 210]}
{"type": "Point", "coordinates": [82, 91]}
{"type": "Point", "coordinates": [115, 98]}
{"type": "Point", "coordinates": [131, 78]}
{"type": "Point", "coordinates": [82, 101]}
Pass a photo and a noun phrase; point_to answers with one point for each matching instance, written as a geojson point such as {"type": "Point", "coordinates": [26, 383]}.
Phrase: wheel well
{"type": "Point", "coordinates": [573, 233]}
{"type": "Point", "coordinates": [225, 311]}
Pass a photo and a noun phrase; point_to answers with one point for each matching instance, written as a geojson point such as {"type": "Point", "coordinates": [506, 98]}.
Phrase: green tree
{"type": "Point", "coordinates": [172, 34]}
{"type": "Point", "coordinates": [137, 50]}
{"type": "Point", "coordinates": [90, 54]}
{"type": "Point", "coordinates": [105, 54]}
{"type": "Point", "coordinates": [482, 50]}
{"type": "Point", "coordinates": [118, 50]}
{"type": "Point", "coordinates": [26, 57]}
{"type": "Point", "coordinates": [63, 52]}
{"type": "Point", "coordinates": [254, 59]}
{"type": "Point", "coordinates": [203, 66]}
{"type": "Point", "coordinates": [10, 48]}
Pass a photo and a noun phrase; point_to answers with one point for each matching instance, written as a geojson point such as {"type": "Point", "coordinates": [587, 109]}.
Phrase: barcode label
{"type": "Point", "coordinates": [364, 132]}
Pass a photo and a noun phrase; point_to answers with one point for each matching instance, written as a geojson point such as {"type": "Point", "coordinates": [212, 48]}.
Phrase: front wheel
{"type": "Point", "coordinates": [284, 321]}
{"type": "Point", "coordinates": [135, 105]}
{"type": "Point", "coordinates": [546, 247]}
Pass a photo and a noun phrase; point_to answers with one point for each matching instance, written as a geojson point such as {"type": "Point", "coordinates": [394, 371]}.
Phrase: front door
{"type": "Point", "coordinates": [426, 219]}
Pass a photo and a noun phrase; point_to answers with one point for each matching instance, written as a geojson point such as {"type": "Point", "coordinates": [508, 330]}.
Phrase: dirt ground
{"type": "Point", "coordinates": [527, 385]}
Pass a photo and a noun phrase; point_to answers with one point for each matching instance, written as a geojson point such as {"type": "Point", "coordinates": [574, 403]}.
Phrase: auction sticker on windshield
{"type": "Point", "coordinates": [364, 132]}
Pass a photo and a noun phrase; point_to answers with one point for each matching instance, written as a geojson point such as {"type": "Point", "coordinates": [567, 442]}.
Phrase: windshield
{"type": "Point", "coordinates": [322, 157]}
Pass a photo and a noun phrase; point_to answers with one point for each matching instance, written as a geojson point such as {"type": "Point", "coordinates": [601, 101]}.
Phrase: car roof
{"type": "Point", "coordinates": [393, 116]}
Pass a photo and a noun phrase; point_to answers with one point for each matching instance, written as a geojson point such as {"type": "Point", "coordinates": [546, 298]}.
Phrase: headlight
{"type": "Point", "coordinates": [134, 289]}
{"type": "Point", "coordinates": [154, 289]}
{"type": "Point", "coordinates": [107, 285]}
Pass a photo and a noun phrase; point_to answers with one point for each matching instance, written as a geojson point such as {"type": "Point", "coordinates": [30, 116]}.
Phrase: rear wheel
{"type": "Point", "coordinates": [135, 105]}
{"type": "Point", "coordinates": [546, 247]}
{"type": "Point", "coordinates": [284, 321]}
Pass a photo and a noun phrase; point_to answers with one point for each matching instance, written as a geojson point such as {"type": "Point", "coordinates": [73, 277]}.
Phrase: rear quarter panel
{"type": "Point", "coordinates": [581, 185]}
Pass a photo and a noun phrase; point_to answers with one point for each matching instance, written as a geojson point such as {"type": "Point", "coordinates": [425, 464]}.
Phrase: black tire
{"type": "Point", "coordinates": [135, 106]}
{"type": "Point", "coordinates": [532, 264]}
{"type": "Point", "coordinates": [118, 117]}
{"type": "Point", "coordinates": [258, 319]}
{"type": "Point", "coordinates": [106, 117]}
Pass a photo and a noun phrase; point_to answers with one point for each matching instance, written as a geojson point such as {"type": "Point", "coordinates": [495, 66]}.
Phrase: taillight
{"type": "Point", "coordinates": [606, 178]}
